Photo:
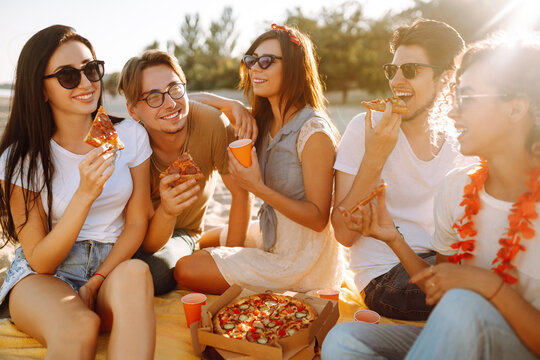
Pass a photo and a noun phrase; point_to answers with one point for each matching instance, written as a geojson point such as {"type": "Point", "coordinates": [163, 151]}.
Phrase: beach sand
{"type": "Point", "coordinates": [218, 209]}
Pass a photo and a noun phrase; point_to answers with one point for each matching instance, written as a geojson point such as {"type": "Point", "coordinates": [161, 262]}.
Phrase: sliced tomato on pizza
{"type": "Point", "coordinates": [186, 167]}
{"type": "Point", "coordinates": [398, 105]}
{"type": "Point", "coordinates": [103, 132]}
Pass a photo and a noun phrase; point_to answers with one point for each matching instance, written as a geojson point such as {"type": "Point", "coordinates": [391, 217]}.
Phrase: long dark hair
{"type": "Point", "coordinates": [300, 86]}
{"type": "Point", "coordinates": [30, 127]}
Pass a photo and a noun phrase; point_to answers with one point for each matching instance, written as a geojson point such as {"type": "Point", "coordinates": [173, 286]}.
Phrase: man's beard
{"type": "Point", "coordinates": [424, 108]}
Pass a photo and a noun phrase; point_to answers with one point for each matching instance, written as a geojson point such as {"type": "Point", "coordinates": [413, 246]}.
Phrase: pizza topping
{"type": "Point", "coordinates": [243, 317]}
{"type": "Point", "coordinates": [300, 315]}
{"type": "Point", "coordinates": [271, 303]}
{"type": "Point", "coordinates": [262, 341]}
{"type": "Point", "coordinates": [290, 332]}
{"type": "Point", "coordinates": [228, 326]}
{"type": "Point", "coordinates": [243, 307]}
{"type": "Point", "coordinates": [271, 324]}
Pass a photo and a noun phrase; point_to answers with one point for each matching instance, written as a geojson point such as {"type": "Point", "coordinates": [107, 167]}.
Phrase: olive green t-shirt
{"type": "Point", "coordinates": [209, 134]}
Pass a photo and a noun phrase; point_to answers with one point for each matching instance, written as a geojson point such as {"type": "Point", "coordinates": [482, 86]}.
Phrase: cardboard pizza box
{"type": "Point", "coordinates": [296, 347]}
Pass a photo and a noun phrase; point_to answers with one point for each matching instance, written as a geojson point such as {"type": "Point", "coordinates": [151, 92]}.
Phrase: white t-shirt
{"type": "Point", "coordinates": [106, 218]}
{"type": "Point", "coordinates": [491, 223]}
{"type": "Point", "coordinates": [409, 196]}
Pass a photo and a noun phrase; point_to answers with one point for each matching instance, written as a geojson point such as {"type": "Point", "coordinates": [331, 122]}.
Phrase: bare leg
{"type": "Point", "coordinates": [200, 272]}
{"type": "Point", "coordinates": [126, 301]}
{"type": "Point", "coordinates": [210, 238]}
{"type": "Point", "coordinates": [50, 311]}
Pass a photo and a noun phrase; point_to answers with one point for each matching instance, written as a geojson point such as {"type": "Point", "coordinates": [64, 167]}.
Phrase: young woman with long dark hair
{"type": "Point", "coordinates": [78, 212]}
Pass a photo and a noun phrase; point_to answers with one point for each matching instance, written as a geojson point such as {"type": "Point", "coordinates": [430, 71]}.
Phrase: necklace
{"type": "Point", "coordinates": [153, 158]}
{"type": "Point", "coordinates": [519, 221]}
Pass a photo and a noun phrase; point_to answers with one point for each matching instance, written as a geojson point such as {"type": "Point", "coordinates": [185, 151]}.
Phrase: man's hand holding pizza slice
{"type": "Point", "coordinates": [178, 187]}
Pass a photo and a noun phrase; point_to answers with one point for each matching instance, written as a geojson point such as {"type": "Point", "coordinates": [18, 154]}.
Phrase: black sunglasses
{"type": "Point", "coordinates": [70, 78]}
{"type": "Point", "coordinates": [264, 61]}
{"type": "Point", "coordinates": [408, 69]}
{"type": "Point", "coordinates": [155, 99]}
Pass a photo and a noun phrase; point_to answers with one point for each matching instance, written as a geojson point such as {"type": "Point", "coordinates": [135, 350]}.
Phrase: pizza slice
{"type": "Point", "coordinates": [103, 132]}
{"type": "Point", "coordinates": [398, 105]}
{"type": "Point", "coordinates": [185, 167]}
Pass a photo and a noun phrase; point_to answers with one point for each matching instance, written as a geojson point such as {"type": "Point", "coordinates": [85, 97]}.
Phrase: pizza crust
{"type": "Point", "coordinates": [398, 105]}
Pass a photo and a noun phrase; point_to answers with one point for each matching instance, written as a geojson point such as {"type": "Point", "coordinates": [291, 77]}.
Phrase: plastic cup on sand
{"type": "Point", "coordinates": [192, 306]}
{"type": "Point", "coordinates": [328, 294]}
{"type": "Point", "coordinates": [367, 316]}
{"type": "Point", "coordinates": [241, 150]}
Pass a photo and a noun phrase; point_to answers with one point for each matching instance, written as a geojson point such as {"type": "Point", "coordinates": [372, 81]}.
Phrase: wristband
{"type": "Point", "coordinates": [496, 291]}
{"type": "Point", "coordinates": [98, 274]}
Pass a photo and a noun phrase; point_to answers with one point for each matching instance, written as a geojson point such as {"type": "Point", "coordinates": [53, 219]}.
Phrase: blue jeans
{"type": "Point", "coordinates": [392, 296]}
{"type": "Point", "coordinates": [464, 325]}
{"type": "Point", "coordinates": [162, 262]}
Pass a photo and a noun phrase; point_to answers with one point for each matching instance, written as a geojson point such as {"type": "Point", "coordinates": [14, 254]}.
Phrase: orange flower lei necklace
{"type": "Point", "coordinates": [519, 219]}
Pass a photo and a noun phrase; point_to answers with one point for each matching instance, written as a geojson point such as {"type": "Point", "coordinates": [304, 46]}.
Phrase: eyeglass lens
{"type": "Point", "coordinates": [156, 99]}
{"type": "Point", "coordinates": [70, 77]}
{"type": "Point", "coordinates": [408, 69]}
{"type": "Point", "coordinates": [264, 61]}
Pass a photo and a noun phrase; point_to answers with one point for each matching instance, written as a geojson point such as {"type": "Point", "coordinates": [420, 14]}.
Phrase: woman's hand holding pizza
{"type": "Point", "coordinates": [249, 178]}
{"type": "Point", "coordinates": [174, 199]}
{"type": "Point", "coordinates": [382, 138]}
{"type": "Point", "coordinates": [437, 280]}
{"type": "Point", "coordinates": [95, 169]}
{"type": "Point", "coordinates": [372, 220]}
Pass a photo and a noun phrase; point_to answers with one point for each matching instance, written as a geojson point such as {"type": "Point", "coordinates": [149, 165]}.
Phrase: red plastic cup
{"type": "Point", "coordinates": [328, 294]}
{"type": "Point", "coordinates": [367, 316]}
{"type": "Point", "coordinates": [192, 307]}
{"type": "Point", "coordinates": [241, 150]}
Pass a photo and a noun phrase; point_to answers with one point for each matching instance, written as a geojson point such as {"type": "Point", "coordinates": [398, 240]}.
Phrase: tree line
{"type": "Point", "coordinates": [351, 46]}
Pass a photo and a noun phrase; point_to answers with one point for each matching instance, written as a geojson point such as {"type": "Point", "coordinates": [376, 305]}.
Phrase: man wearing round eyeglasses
{"type": "Point", "coordinates": [155, 89]}
{"type": "Point", "coordinates": [404, 151]}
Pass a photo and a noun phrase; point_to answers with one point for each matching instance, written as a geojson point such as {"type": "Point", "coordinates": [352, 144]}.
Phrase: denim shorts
{"type": "Point", "coordinates": [81, 263]}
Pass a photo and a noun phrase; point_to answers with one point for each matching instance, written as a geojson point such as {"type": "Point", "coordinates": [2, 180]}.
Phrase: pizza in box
{"type": "Point", "coordinates": [264, 318]}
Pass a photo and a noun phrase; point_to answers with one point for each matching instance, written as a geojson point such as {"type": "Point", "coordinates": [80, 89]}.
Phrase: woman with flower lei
{"type": "Point", "coordinates": [486, 283]}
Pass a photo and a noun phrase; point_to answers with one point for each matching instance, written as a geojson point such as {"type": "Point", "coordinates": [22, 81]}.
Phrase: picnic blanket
{"type": "Point", "coordinates": [173, 337]}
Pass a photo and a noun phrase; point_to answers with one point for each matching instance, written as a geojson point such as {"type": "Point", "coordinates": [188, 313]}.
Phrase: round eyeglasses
{"type": "Point", "coordinates": [156, 98]}
{"type": "Point", "coordinates": [70, 78]}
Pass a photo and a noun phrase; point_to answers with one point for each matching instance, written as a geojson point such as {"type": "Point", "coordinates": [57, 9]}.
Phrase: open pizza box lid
{"type": "Point", "coordinates": [294, 347]}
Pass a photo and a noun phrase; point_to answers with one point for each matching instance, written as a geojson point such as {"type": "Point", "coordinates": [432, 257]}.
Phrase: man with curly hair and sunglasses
{"type": "Point", "coordinates": [408, 153]}
{"type": "Point", "coordinates": [155, 89]}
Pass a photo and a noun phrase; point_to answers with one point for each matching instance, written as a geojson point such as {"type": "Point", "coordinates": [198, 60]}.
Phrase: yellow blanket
{"type": "Point", "coordinates": [173, 337]}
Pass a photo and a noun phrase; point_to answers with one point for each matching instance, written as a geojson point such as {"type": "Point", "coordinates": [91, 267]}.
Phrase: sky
{"type": "Point", "coordinates": [120, 29]}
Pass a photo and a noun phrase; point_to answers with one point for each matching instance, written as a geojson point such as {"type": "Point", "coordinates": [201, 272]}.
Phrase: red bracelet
{"type": "Point", "coordinates": [496, 291]}
{"type": "Point", "coordinates": [98, 274]}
